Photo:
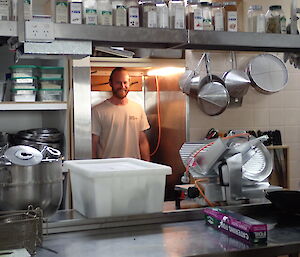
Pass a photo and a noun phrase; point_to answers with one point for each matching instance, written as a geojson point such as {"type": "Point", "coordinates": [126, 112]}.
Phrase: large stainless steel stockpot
{"type": "Point", "coordinates": [39, 185]}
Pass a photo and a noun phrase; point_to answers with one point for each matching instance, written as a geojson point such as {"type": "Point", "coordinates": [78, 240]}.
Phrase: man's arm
{"type": "Point", "coordinates": [95, 142]}
{"type": "Point", "coordinates": [144, 146]}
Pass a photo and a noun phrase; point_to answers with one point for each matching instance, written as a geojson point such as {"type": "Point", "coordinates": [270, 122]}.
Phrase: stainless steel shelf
{"type": "Point", "coordinates": [122, 36]}
{"type": "Point", "coordinates": [243, 41]}
{"type": "Point", "coordinates": [35, 106]}
{"type": "Point", "coordinates": [167, 38]}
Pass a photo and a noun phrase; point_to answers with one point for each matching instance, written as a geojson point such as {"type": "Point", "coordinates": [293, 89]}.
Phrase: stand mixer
{"type": "Point", "coordinates": [233, 169]}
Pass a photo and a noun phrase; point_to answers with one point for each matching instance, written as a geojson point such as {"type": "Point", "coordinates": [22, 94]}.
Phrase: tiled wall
{"type": "Point", "coordinates": [258, 111]}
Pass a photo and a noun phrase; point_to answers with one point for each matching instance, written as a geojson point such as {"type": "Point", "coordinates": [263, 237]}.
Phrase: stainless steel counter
{"type": "Point", "coordinates": [161, 236]}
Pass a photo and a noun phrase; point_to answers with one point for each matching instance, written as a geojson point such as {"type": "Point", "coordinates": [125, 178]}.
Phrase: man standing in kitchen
{"type": "Point", "coordinates": [119, 124]}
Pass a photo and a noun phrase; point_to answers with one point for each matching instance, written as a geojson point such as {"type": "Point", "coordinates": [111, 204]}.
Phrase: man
{"type": "Point", "coordinates": [118, 124]}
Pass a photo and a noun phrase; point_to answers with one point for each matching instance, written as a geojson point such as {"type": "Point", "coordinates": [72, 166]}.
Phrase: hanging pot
{"type": "Point", "coordinates": [213, 97]}
{"type": "Point", "coordinates": [26, 179]}
{"type": "Point", "coordinates": [267, 73]}
{"type": "Point", "coordinates": [237, 82]}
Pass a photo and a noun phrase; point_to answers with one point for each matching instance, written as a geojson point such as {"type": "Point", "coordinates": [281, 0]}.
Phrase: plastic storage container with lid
{"type": "Point", "coordinates": [256, 19]}
{"type": "Point", "coordinates": [117, 187]}
{"type": "Point", "coordinates": [23, 70]}
{"type": "Point", "coordinates": [162, 14]}
{"type": "Point", "coordinates": [53, 83]}
{"type": "Point", "coordinates": [218, 15]}
{"type": "Point", "coordinates": [51, 72]}
{"type": "Point", "coordinates": [24, 82]}
{"type": "Point", "coordinates": [231, 16]}
{"type": "Point", "coordinates": [207, 16]}
{"type": "Point", "coordinates": [119, 13]}
{"type": "Point", "coordinates": [149, 14]}
{"type": "Point", "coordinates": [50, 95]}
{"type": "Point", "coordinates": [194, 20]}
{"type": "Point", "coordinates": [275, 20]}
{"type": "Point", "coordinates": [105, 16]}
{"type": "Point", "coordinates": [177, 14]}
{"type": "Point", "coordinates": [23, 94]}
{"type": "Point", "coordinates": [133, 16]}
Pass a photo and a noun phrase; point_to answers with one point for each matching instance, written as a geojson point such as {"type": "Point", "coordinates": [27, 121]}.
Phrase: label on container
{"type": "Point", "coordinates": [120, 16]}
{"type": "Point", "coordinates": [91, 17]}
{"type": "Point", "coordinates": [179, 17]}
{"type": "Point", "coordinates": [4, 10]}
{"type": "Point", "coordinates": [219, 21]}
{"type": "Point", "coordinates": [76, 13]}
{"type": "Point", "coordinates": [27, 9]}
{"type": "Point", "coordinates": [105, 17]}
{"type": "Point", "coordinates": [232, 21]}
{"type": "Point", "coordinates": [163, 17]}
{"type": "Point", "coordinates": [61, 12]}
{"type": "Point", "coordinates": [133, 17]}
{"type": "Point", "coordinates": [198, 19]}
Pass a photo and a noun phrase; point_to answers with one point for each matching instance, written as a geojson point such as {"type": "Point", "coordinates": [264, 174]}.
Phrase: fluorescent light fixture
{"type": "Point", "coordinates": [165, 71]}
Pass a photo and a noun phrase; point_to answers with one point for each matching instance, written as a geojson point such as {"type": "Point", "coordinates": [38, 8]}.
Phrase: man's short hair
{"type": "Point", "coordinates": [117, 69]}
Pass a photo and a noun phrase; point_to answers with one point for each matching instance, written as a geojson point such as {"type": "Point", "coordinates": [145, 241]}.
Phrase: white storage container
{"type": "Point", "coordinates": [50, 95]}
{"type": "Point", "coordinates": [21, 71]}
{"type": "Point", "coordinates": [117, 187]}
{"type": "Point", "coordinates": [23, 94]}
{"type": "Point", "coordinates": [53, 83]}
{"type": "Point", "coordinates": [51, 72]}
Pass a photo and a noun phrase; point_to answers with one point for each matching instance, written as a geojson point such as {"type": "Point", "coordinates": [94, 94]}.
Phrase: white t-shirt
{"type": "Point", "coordinates": [118, 127]}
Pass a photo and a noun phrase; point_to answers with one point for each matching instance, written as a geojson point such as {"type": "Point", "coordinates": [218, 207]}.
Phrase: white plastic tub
{"type": "Point", "coordinates": [117, 187]}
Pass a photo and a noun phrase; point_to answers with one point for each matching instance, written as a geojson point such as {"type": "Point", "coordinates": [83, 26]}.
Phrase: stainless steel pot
{"type": "Point", "coordinates": [39, 185]}
{"type": "Point", "coordinates": [213, 97]}
{"type": "Point", "coordinates": [237, 82]}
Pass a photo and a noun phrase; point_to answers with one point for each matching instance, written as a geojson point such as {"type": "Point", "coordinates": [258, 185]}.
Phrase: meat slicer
{"type": "Point", "coordinates": [233, 169]}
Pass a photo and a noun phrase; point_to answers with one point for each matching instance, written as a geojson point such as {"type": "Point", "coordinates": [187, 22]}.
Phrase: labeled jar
{"type": "Point", "coordinates": [61, 11]}
{"type": "Point", "coordinates": [104, 8]}
{"type": "Point", "coordinates": [162, 14]}
{"type": "Point", "coordinates": [119, 13]}
{"type": "Point", "coordinates": [177, 14]}
{"type": "Point", "coordinates": [133, 16]}
{"type": "Point", "coordinates": [149, 14]}
{"type": "Point", "coordinates": [231, 16]}
{"type": "Point", "coordinates": [207, 15]}
{"type": "Point", "coordinates": [90, 12]}
{"type": "Point", "coordinates": [256, 19]}
{"type": "Point", "coordinates": [218, 16]}
{"type": "Point", "coordinates": [194, 20]}
{"type": "Point", "coordinates": [275, 20]}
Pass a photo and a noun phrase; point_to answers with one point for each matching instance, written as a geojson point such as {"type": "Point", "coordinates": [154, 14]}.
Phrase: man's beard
{"type": "Point", "coordinates": [120, 93]}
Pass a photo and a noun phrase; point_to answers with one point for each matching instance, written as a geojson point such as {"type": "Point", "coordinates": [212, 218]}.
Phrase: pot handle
{"type": "Point", "coordinates": [52, 151]}
{"type": "Point", "coordinates": [233, 60]}
{"type": "Point", "coordinates": [207, 66]}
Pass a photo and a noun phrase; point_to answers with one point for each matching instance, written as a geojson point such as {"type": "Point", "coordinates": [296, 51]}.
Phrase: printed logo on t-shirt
{"type": "Point", "coordinates": [131, 117]}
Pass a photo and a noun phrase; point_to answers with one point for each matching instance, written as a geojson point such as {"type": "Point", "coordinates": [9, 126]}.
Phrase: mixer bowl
{"type": "Point", "coordinates": [37, 185]}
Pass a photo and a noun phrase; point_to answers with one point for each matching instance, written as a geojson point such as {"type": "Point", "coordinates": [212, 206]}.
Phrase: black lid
{"type": "Point", "coordinates": [275, 7]}
{"type": "Point", "coordinates": [205, 4]}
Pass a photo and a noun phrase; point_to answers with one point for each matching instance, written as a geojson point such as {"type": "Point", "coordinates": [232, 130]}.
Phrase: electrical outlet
{"type": "Point", "coordinates": [39, 31]}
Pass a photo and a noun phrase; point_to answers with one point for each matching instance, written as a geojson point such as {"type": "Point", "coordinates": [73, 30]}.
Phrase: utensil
{"type": "Point", "coordinates": [213, 97]}
{"type": "Point", "coordinates": [267, 73]}
{"type": "Point", "coordinates": [237, 82]}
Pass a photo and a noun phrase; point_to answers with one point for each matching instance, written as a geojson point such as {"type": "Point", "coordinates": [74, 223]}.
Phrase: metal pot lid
{"type": "Point", "coordinates": [268, 73]}
{"type": "Point", "coordinates": [23, 155]}
{"type": "Point", "coordinates": [213, 98]}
